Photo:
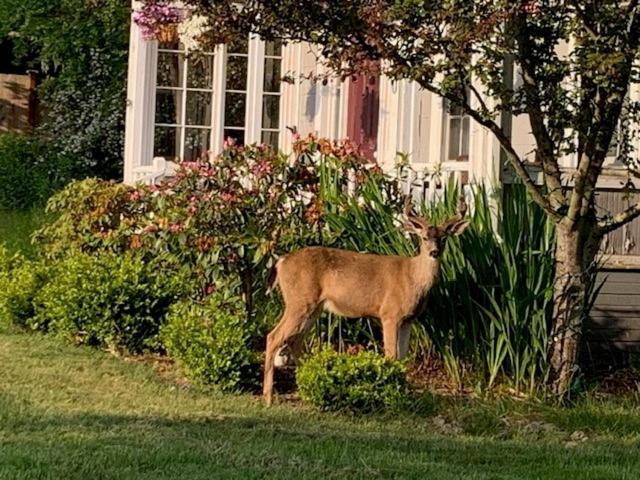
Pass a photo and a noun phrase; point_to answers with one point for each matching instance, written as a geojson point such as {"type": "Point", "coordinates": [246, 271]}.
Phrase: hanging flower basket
{"type": "Point", "coordinates": [167, 33]}
{"type": "Point", "coordinates": [158, 20]}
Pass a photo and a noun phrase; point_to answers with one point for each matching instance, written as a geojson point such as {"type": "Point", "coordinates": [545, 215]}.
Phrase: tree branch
{"type": "Point", "coordinates": [512, 156]}
{"type": "Point", "coordinates": [551, 168]}
{"type": "Point", "coordinates": [620, 219]}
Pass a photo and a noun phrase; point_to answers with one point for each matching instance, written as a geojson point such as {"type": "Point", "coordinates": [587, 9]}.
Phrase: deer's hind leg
{"type": "Point", "coordinates": [294, 323]}
{"type": "Point", "coordinates": [404, 338]}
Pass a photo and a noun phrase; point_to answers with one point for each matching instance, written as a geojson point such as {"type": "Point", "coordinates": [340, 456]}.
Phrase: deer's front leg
{"type": "Point", "coordinates": [390, 332]}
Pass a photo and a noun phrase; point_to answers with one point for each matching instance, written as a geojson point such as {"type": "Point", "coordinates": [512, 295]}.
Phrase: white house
{"type": "Point", "coordinates": [179, 107]}
{"type": "Point", "coordinates": [255, 91]}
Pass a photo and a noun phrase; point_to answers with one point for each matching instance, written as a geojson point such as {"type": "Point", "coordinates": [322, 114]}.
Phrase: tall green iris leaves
{"type": "Point", "coordinates": [491, 308]}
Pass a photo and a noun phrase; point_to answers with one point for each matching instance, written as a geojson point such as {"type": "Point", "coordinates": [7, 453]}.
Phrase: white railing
{"type": "Point", "coordinates": [151, 174]}
{"type": "Point", "coordinates": [428, 184]}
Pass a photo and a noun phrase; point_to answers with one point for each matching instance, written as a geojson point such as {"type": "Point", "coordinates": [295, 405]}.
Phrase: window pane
{"type": "Point", "coordinates": [454, 139]}
{"type": "Point", "coordinates": [235, 106]}
{"type": "Point", "coordinates": [173, 45]}
{"type": "Point", "coordinates": [238, 135]}
{"type": "Point", "coordinates": [270, 111]}
{"type": "Point", "coordinates": [236, 73]}
{"type": "Point", "coordinates": [238, 45]}
{"type": "Point", "coordinates": [170, 66]}
{"type": "Point", "coordinates": [272, 75]}
{"type": "Point", "coordinates": [168, 106]}
{"type": "Point", "coordinates": [200, 72]}
{"type": "Point", "coordinates": [199, 108]}
{"type": "Point", "coordinates": [464, 148]}
{"type": "Point", "coordinates": [166, 142]}
{"type": "Point", "coordinates": [196, 143]}
{"type": "Point", "coordinates": [270, 138]}
{"type": "Point", "coordinates": [273, 48]}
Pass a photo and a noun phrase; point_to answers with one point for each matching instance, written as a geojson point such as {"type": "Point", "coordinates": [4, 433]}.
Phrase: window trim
{"type": "Point", "coordinates": [254, 96]}
{"type": "Point", "coordinates": [447, 117]}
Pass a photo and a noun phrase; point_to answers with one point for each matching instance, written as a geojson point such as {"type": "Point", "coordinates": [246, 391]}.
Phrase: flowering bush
{"type": "Point", "coordinates": [227, 218]}
{"type": "Point", "coordinates": [88, 215]}
{"type": "Point", "coordinates": [153, 16]}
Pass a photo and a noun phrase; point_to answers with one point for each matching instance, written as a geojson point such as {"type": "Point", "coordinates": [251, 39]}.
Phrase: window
{"type": "Point", "coordinates": [455, 133]}
{"type": "Point", "coordinates": [235, 98]}
{"type": "Point", "coordinates": [270, 128]}
{"type": "Point", "coordinates": [200, 100]}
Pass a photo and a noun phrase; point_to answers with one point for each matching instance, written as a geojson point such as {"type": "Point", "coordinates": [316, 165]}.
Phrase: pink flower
{"type": "Point", "coordinates": [227, 197]}
{"type": "Point", "coordinates": [155, 14]}
{"type": "Point", "coordinates": [228, 142]}
{"type": "Point", "coordinates": [176, 228]}
{"type": "Point", "coordinates": [262, 168]}
{"type": "Point", "coordinates": [135, 196]}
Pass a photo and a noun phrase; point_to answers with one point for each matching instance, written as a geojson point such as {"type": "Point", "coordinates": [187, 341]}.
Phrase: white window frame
{"type": "Point", "coordinates": [447, 118]}
{"type": "Point", "coordinates": [254, 95]}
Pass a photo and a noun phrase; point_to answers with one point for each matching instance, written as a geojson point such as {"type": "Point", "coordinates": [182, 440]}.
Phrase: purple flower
{"type": "Point", "coordinates": [155, 14]}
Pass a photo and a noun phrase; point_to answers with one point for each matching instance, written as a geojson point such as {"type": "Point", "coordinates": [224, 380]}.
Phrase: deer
{"type": "Point", "coordinates": [391, 288]}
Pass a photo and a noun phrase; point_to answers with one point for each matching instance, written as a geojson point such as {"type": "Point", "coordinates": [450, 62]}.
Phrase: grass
{"type": "Point", "coordinates": [76, 413]}
{"type": "Point", "coordinates": [69, 412]}
{"type": "Point", "coordinates": [16, 227]}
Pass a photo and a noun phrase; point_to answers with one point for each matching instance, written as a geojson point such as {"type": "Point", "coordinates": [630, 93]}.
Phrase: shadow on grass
{"type": "Point", "coordinates": [41, 444]}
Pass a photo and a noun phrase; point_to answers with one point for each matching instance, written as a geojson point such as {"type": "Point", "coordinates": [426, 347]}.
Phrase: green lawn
{"type": "Point", "coordinates": [16, 228]}
{"type": "Point", "coordinates": [68, 412]}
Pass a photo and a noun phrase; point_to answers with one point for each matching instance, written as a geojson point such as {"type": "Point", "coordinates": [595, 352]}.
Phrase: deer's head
{"type": "Point", "coordinates": [433, 237]}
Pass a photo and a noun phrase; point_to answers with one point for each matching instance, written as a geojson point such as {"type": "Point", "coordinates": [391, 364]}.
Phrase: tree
{"type": "Point", "coordinates": [577, 60]}
{"type": "Point", "coordinates": [81, 48]}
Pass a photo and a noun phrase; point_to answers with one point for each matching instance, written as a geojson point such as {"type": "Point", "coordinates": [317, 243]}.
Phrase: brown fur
{"type": "Point", "coordinates": [390, 288]}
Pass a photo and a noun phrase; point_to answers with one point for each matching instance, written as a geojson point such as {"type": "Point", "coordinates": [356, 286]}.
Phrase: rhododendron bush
{"type": "Point", "coordinates": [227, 217]}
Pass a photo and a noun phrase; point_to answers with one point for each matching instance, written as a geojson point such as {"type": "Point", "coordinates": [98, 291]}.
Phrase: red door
{"type": "Point", "coordinates": [363, 106]}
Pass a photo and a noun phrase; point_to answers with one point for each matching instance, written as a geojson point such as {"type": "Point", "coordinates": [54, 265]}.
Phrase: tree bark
{"type": "Point", "coordinates": [576, 249]}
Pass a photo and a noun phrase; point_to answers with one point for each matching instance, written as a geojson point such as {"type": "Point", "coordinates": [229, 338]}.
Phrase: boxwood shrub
{"type": "Point", "coordinates": [109, 300]}
{"type": "Point", "coordinates": [214, 341]}
{"type": "Point", "coordinates": [20, 281]}
{"type": "Point", "coordinates": [361, 383]}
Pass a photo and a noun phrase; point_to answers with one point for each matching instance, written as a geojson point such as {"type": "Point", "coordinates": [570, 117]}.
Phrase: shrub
{"type": "Point", "coordinates": [214, 341]}
{"type": "Point", "coordinates": [20, 281]}
{"type": "Point", "coordinates": [227, 218]}
{"type": "Point", "coordinates": [362, 382]}
{"type": "Point", "coordinates": [109, 300]}
{"type": "Point", "coordinates": [31, 170]}
{"type": "Point", "coordinates": [87, 217]}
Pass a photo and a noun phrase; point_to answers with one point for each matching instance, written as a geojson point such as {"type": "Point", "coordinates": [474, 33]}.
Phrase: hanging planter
{"type": "Point", "coordinates": [167, 33]}
{"type": "Point", "coordinates": [158, 20]}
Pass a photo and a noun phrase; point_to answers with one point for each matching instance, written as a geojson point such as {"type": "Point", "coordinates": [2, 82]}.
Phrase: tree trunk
{"type": "Point", "coordinates": [575, 253]}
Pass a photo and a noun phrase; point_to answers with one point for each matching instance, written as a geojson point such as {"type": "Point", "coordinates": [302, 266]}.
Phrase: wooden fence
{"type": "Point", "coordinates": [17, 102]}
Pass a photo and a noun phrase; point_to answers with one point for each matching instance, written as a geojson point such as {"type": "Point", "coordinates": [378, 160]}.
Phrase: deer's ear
{"type": "Point", "coordinates": [458, 227]}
